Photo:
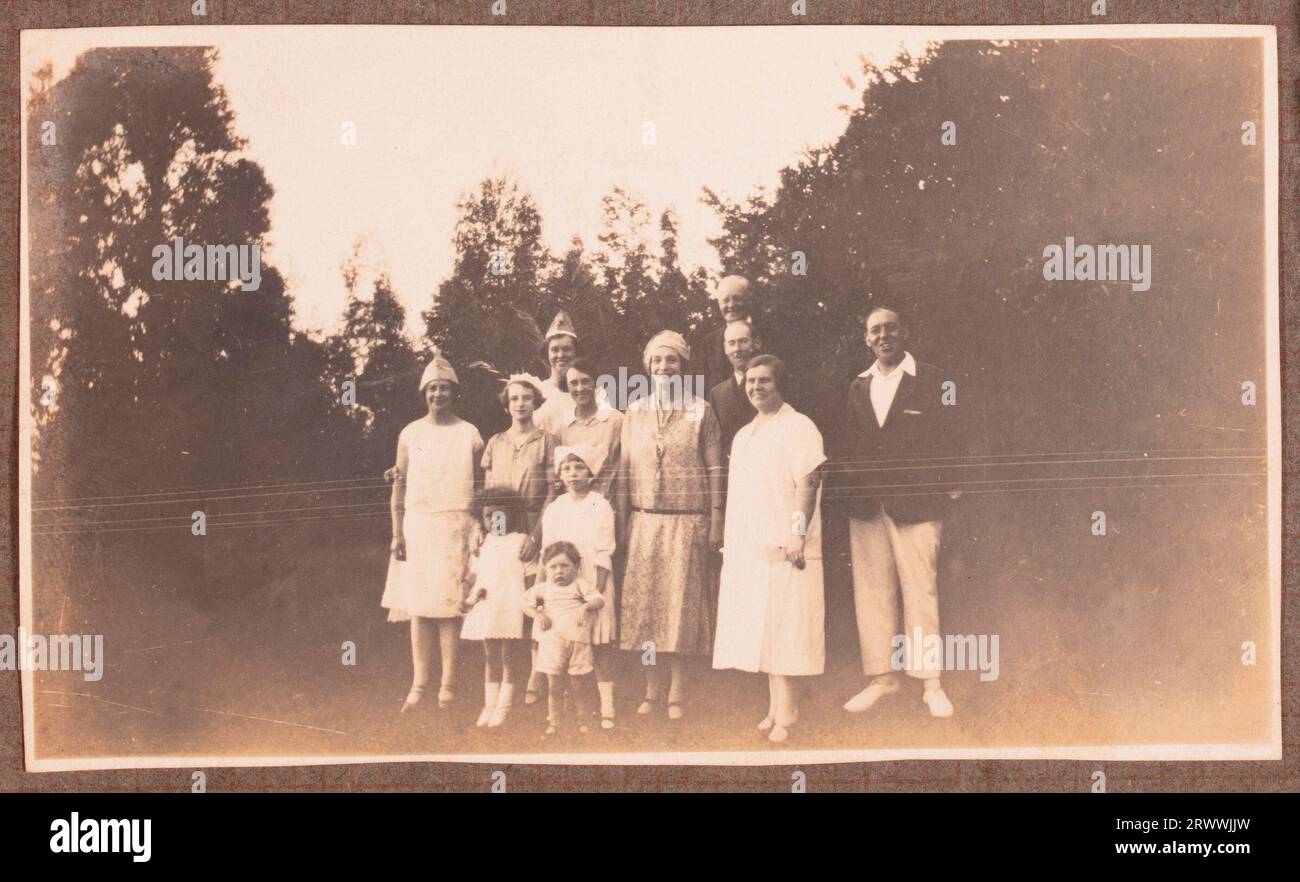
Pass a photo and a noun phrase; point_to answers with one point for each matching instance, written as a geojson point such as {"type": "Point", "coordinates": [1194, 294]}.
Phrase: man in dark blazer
{"type": "Point", "coordinates": [728, 399]}
{"type": "Point", "coordinates": [895, 481]}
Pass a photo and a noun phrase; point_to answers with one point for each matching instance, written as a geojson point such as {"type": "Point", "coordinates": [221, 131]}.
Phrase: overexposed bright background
{"type": "Point", "coordinates": [436, 109]}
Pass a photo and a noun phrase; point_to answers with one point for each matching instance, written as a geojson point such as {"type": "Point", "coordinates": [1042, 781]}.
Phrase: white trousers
{"type": "Point", "coordinates": [893, 562]}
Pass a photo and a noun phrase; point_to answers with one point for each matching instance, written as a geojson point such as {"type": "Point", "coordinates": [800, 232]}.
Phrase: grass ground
{"type": "Point", "coordinates": [1131, 638]}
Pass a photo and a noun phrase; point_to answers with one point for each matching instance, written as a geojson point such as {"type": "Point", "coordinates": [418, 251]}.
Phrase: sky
{"type": "Point", "coordinates": [564, 110]}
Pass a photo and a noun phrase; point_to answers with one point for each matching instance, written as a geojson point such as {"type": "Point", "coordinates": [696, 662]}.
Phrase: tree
{"type": "Point", "coordinates": [372, 352]}
{"type": "Point", "coordinates": [1053, 139]}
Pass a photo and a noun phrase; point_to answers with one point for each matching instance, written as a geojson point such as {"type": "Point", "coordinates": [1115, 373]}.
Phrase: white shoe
{"type": "Point", "coordinates": [876, 690]}
{"type": "Point", "coordinates": [490, 693]}
{"type": "Point", "coordinates": [505, 700]}
{"type": "Point", "coordinates": [938, 703]}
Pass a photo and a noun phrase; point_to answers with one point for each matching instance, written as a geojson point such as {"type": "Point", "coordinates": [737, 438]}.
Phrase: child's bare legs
{"type": "Point", "coordinates": [554, 701]}
{"type": "Point", "coordinates": [421, 660]}
{"type": "Point", "coordinates": [604, 658]}
{"type": "Point", "coordinates": [512, 665]}
{"type": "Point", "coordinates": [493, 665]}
{"type": "Point", "coordinates": [448, 635]}
{"type": "Point", "coordinates": [581, 688]}
{"type": "Point", "coordinates": [534, 679]}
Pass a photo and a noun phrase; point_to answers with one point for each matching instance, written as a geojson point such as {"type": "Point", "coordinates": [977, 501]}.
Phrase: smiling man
{"type": "Point", "coordinates": [734, 296]}
{"type": "Point", "coordinates": [895, 496]}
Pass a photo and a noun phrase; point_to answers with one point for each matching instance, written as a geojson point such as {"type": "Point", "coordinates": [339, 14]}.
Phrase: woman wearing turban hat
{"type": "Point", "coordinates": [671, 461]}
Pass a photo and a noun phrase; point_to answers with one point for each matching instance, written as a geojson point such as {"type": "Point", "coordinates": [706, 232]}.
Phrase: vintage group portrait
{"type": "Point", "coordinates": [727, 395]}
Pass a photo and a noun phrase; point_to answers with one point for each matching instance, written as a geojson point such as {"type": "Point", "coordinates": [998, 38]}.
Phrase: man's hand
{"type": "Point", "coordinates": [398, 547]}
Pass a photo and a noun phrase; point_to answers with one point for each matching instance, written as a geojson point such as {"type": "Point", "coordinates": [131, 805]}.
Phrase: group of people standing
{"type": "Point", "coordinates": [518, 540]}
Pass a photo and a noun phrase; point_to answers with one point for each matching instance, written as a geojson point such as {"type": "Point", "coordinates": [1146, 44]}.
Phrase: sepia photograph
{"type": "Point", "coordinates": [731, 396]}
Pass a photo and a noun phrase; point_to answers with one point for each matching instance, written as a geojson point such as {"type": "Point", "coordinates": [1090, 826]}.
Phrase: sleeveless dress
{"type": "Point", "coordinates": [438, 524]}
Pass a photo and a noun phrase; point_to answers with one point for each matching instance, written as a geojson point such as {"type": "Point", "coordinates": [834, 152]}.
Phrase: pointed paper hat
{"type": "Point", "coordinates": [561, 325]}
{"type": "Point", "coordinates": [439, 369]}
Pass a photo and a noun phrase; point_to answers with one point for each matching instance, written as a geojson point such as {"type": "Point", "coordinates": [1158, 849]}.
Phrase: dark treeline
{"type": "Point", "coordinates": [191, 384]}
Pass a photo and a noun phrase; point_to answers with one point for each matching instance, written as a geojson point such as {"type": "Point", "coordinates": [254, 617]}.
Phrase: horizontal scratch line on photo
{"type": "Point", "coordinates": [167, 645]}
{"type": "Point", "coordinates": [143, 710]}
{"type": "Point", "coordinates": [216, 516]}
{"type": "Point", "coordinates": [220, 526]}
{"type": "Point", "coordinates": [269, 720]}
{"type": "Point", "coordinates": [195, 496]}
{"type": "Point", "coordinates": [257, 485]}
{"type": "Point", "coordinates": [287, 487]}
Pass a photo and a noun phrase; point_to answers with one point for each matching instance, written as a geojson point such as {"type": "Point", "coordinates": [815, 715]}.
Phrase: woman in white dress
{"type": "Point", "coordinates": [771, 605]}
{"type": "Point", "coordinates": [433, 528]}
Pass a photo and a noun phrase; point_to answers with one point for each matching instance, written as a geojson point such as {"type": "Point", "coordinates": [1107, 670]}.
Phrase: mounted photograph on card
{"type": "Point", "coordinates": [644, 396]}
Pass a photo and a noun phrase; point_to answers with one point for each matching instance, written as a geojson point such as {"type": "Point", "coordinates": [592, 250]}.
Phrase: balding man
{"type": "Point", "coordinates": [898, 428]}
{"type": "Point", "coordinates": [733, 296]}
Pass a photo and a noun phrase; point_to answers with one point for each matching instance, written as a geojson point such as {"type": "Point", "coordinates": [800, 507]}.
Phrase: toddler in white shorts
{"type": "Point", "coordinates": [561, 608]}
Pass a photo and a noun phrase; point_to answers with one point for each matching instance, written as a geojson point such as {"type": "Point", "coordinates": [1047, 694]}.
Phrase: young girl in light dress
{"type": "Point", "coordinates": [519, 459]}
{"type": "Point", "coordinates": [585, 518]}
{"type": "Point", "coordinates": [494, 590]}
{"type": "Point", "coordinates": [433, 527]}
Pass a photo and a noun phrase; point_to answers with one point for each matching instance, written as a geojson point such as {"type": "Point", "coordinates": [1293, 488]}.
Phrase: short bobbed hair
{"type": "Point", "coordinates": [777, 366]}
{"type": "Point", "coordinates": [504, 395]}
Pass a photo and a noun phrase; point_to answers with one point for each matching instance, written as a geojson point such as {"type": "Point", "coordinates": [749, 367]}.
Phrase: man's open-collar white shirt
{"type": "Point", "coordinates": [885, 386]}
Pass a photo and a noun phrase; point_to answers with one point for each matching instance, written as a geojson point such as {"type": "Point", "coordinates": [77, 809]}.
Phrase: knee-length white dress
{"type": "Point", "coordinates": [771, 615]}
{"type": "Point", "coordinates": [498, 569]}
{"type": "Point", "coordinates": [438, 525]}
{"type": "Point", "coordinates": [589, 524]}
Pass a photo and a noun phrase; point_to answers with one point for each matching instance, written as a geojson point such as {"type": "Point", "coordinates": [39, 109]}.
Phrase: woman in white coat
{"type": "Point", "coordinates": [771, 605]}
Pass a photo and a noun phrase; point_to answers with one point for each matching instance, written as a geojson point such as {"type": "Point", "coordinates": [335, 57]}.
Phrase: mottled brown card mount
{"type": "Point", "coordinates": [1257, 764]}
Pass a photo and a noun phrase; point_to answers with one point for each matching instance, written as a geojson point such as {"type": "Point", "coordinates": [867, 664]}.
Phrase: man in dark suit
{"type": "Point", "coordinates": [728, 399]}
{"type": "Point", "coordinates": [896, 482]}
{"type": "Point", "coordinates": [733, 296]}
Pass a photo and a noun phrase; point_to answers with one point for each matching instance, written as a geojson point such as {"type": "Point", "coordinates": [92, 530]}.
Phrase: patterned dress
{"type": "Point", "coordinates": [667, 584]}
{"type": "Point", "coordinates": [438, 525]}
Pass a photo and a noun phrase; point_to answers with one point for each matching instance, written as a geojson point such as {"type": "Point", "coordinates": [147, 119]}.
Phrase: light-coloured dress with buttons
{"type": "Point", "coordinates": [771, 614]}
